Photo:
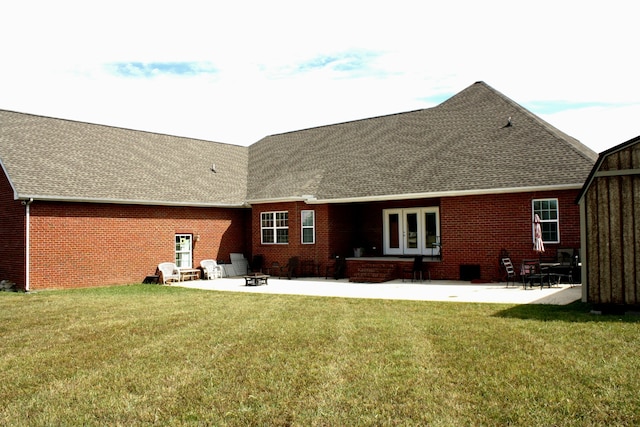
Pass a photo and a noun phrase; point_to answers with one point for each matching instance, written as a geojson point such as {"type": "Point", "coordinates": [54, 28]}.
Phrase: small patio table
{"type": "Point", "coordinates": [256, 279]}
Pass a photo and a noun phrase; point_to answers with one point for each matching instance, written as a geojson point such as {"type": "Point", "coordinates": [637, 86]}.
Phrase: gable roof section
{"type": "Point", "coordinates": [53, 159]}
{"type": "Point", "coordinates": [601, 167]}
{"type": "Point", "coordinates": [458, 147]}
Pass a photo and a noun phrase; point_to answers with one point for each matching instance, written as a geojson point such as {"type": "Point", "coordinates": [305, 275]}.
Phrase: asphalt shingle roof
{"type": "Point", "coordinates": [461, 145]}
{"type": "Point", "coordinates": [67, 160]}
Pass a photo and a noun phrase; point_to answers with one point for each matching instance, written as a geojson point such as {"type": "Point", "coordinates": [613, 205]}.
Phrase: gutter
{"type": "Point", "coordinates": [27, 206]}
{"type": "Point", "coordinates": [311, 200]}
{"type": "Point", "coordinates": [129, 202]}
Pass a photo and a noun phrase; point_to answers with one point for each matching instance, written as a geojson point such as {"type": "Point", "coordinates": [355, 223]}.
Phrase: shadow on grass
{"type": "Point", "coordinates": [574, 312]}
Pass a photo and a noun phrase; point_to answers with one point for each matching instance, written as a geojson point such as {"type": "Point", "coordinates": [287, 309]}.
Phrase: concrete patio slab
{"type": "Point", "coordinates": [436, 290]}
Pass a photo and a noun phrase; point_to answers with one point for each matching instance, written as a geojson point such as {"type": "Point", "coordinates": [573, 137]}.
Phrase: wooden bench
{"type": "Point", "coordinates": [189, 274]}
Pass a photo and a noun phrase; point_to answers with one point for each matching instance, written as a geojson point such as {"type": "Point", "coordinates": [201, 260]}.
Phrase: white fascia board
{"type": "Point", "coordinates": [128, 202]}
{"type": "Point", "coordinates": [432, 195]}
{"type": "Point", "coordinates": [307, 199]}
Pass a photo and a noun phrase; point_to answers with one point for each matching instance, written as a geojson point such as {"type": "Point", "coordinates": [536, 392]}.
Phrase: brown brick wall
{"type": "Point", "coordinates": [474, 230]}
{"type": "Point", "coordinates": [83, 244]}
{"type": "Point", "coordinates": [12, 235]}
{"type": "Point", "coordinates": [318, 252]}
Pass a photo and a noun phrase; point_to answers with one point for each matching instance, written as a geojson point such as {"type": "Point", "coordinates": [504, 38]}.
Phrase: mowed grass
{"type": "Point", "coordinates": [148, 354]}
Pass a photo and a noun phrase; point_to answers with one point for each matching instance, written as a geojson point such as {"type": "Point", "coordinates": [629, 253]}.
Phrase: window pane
{"type": "Point", "coordinates": [307, 235]}
{"type": "Point", "coordinates": [549, 231]}
{"type": "Point", "coordinates": [430, 232]}
{"type": "Point", "coordinates": [267, 219]}
{"type": "Point", "coordinates": [267, 236]}
{"type": "Point", "coordinates": [412, 230]}
{"type": "Point", "coordinates": [394, 231]}
{"type": "Point", "coordinates": [282, 219]}
{"type": "Point", "coordinates": [307, 218]}
{"type": "Point", "coordinates": [283, 235]}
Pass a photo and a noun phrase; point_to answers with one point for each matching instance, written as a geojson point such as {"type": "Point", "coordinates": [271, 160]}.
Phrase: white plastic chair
{"type": "Point", "coordinates": [211, 269]}
{"type": "Point", "coordinates": [168, 271]}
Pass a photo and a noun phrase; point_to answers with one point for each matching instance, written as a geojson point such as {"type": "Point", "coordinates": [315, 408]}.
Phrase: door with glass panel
{"type": "Point", "coordinates": [413, 236]}
{"type": "Point", "coordinates": [393, 232]}
{"type": "Point", "coordinates": [414, 231]}
{"type": "Point", "coordinates": [183, 250]}
{"type": "Point", "coordinates": [430, 231]}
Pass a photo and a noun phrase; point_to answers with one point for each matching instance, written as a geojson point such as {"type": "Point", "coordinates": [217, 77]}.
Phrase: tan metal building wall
{"type": "Point", "coordinates": [610, 222]}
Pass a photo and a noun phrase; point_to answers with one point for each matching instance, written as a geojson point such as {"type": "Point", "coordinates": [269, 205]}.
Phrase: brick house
{"type": "Point", "coordinates": [90, 205]}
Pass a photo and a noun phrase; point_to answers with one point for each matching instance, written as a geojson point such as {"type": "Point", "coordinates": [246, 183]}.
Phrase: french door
{"type": "Point", "coordinates": [411, 231]}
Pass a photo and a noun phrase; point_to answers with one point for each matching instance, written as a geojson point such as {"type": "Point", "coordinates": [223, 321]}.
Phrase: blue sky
{"type": "Point", "coordinates": [238, 71]}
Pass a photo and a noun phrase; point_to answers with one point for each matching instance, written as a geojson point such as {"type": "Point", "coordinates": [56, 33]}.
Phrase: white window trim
{"type": "Point", "coordinates": [312, 227]}
{"type": "Point", "coordinates": [275, 228]}
{"type": "Point", "coordinates": [542, 221]}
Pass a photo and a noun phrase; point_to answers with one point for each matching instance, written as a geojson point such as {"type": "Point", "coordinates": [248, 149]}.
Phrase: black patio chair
{"type": "Point", "coordinates": [336, 268]}
{"type": "Point", "coordinates": [256, 264]}
{"type": "Point", "coordinates": [531, 273]}
{"type": "Point", "coordinates": [416, 270]}
{"type": "Point", "coordinates": [509, 271]}
{"type": "Point", "coordinates": [291, 269]}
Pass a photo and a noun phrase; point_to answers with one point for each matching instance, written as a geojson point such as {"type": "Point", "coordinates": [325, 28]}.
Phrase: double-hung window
{"type": "Point", "coordinates": [547, 210]}
{"type": "Point", "coordinates": [308, 221]}
{"type": "Point", "coordinates": [274, 227]}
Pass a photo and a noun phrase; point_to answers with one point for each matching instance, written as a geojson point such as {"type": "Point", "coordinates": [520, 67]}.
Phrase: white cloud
{"type": "Point", "coordinates": [387, 57]}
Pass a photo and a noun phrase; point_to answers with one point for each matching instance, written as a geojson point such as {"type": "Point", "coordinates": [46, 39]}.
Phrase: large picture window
{"type": "Point", "coordinates": [274, 227]}
{"type": "Point", "coordinates": [308, 221]}
{"type": "Point", "coordinates": [547, 210]}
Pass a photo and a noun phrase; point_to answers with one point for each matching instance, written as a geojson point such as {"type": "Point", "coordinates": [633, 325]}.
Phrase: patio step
{"type": "Point", "coordinates": [375, 272]}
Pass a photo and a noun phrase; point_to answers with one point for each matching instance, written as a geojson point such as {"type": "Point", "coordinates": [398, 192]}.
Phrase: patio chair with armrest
{"type": "Point", "coordinates": [531, 273]}
{"type": "Point", "coordinates": [210, 269]}
{"type": "Point", "coordinates": [565, 274]}
{"type": "Point", "coordinates": [168, 271]}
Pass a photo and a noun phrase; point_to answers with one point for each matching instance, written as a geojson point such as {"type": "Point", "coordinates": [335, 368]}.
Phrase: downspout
{"type": "Point", "coordinates": [27, 204]}
{"type": "Point", "coordinates": [583, 250]}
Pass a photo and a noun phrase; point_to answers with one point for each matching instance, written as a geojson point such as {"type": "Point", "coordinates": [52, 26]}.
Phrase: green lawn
{"type": "Point", "coordinates": [149, 354]}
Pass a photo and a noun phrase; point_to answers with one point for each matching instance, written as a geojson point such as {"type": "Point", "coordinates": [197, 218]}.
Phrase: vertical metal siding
{"type": "Point", "coordinates": [613, 230]}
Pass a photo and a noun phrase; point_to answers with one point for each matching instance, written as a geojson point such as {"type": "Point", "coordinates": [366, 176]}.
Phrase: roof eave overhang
{"type": "Point", "coordinates": [409, 196]}
{"type": "Point", "coordinates": [36, 197]}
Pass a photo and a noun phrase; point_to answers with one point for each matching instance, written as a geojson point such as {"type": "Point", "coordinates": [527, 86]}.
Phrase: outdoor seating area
{"type": "Point", "coordinates": [564, 268]}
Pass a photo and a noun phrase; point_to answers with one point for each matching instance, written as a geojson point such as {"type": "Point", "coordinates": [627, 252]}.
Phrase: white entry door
{"type": "Point", "coordinates": [393, 232]}
{"type": "Point", "coordinates": [412, 231]}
